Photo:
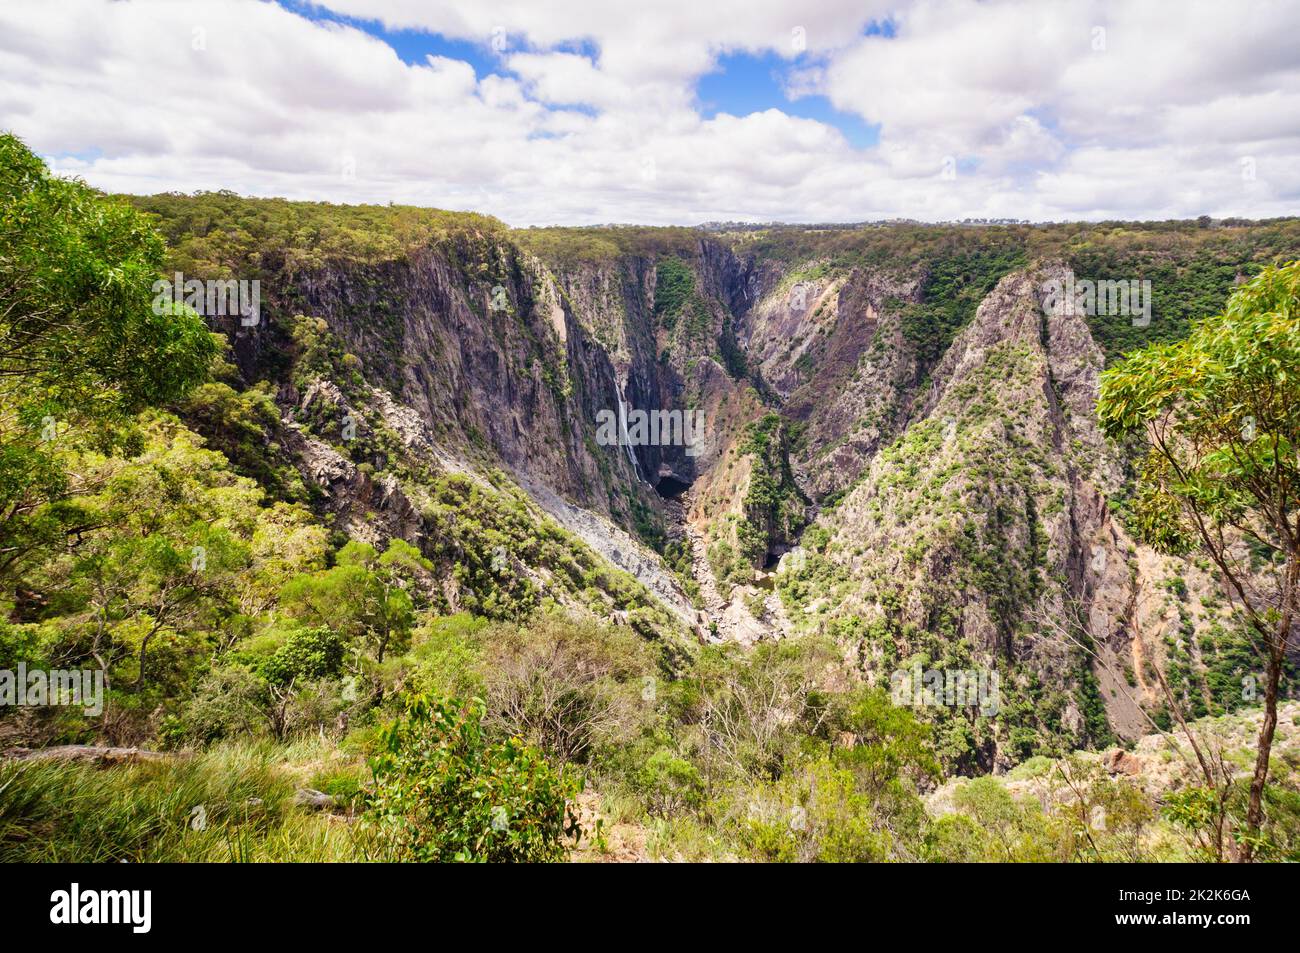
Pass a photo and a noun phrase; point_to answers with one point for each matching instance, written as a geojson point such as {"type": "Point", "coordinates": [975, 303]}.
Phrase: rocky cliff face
{"type": "Point", "coordinates": [983, 537]}
{"type": "Point", "coordinates": [834, 351]}
{"type": "Point", "coordinates": [486, 354]}
{"type": "Point", "coordinates": [949, 507]}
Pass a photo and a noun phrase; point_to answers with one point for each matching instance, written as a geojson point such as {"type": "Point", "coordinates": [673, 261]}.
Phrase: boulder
{"type": "Point", "coordinates": [315, 800]}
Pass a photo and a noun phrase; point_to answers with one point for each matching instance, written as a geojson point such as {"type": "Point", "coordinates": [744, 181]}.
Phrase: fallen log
{"type": "Point", "coordinates": [93, 754]}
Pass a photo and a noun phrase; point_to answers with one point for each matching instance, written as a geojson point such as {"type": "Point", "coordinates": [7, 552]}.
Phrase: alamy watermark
{"type": "Point", "coordinates": [133, 908]}
{"type": "Point", "coordinates": [1122, 298]}
{"type": "Point", "coordinates": [650, 428]}
{"type": "Point", "coordinates": [214, 298]}
{"type": "Point", "coordinates": [39, 687]}
{"type": "Point", "coordinates": [946, 687]}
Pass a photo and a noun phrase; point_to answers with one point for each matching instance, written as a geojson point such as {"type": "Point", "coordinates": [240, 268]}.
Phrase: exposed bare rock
{"type": "Point", "coordinates": [1119, 761]}
{"type": "Point", "coordinates": [371, 508]}
{"type": "Point", "coordinates": [975, 520]}
{"type": "Point", "coordinates": [619, 548]}
{"type": "Point", "coordinates": [835, 350]}
{"type": "Point", "coordinates": [313, 800]}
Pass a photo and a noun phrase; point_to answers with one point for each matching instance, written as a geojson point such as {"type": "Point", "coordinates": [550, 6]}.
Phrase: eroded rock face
{"type": "Point", "coordinates": [497, 359]}
{"type": "Point", "coordinates": [975, 495]}
{"type": "Point", "coordinates": [862, 379]}
{"type": "Point", "coordinates": [974, 523]}
{"type": "Point", "coordinates": [986, 525]}
{"type": "Point", "coordinates": [370, 506]}
{"type": "Point", "coordinates": [619, 548]}
{"type": "Point", "coordinates": [482, 358]}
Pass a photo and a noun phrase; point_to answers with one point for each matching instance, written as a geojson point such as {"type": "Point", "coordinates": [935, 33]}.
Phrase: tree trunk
{"type": "Point", "coordinates": [139, 678]}
{"type": "Point", "coordinates": [144, 647]}
{"type": "Point", "coordinates": [1255, 811]}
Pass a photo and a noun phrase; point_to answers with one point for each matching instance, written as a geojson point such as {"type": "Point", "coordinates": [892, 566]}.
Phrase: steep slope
{"type": "Point", "coordinates": [886, 413]}
{"type": "Point", "coordinates": [834, 350]}
{"type": "Point", "coordinates": [984, 538]}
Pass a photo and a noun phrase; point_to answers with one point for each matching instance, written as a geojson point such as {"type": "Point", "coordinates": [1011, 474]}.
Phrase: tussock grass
{"type": "Point", "coordinates": [147, 812]}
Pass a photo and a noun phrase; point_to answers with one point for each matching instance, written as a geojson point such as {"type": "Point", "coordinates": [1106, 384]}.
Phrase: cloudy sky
{"type": "Point", "coordinates": [674, 111]}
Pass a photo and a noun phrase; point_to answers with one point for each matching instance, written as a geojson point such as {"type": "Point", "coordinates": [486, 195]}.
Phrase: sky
{"type": "Point", "coordinates": [674, 111]}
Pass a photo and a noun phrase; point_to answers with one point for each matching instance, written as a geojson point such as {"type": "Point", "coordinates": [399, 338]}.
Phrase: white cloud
{"type": "Point", "coordinates": [1078, 108]}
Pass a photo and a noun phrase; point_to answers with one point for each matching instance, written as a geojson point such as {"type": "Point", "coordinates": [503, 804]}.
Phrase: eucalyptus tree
{"type": "Point", "coordinates": [1220, 414]}
{"type": "Point", "coordinates": [82, 347]}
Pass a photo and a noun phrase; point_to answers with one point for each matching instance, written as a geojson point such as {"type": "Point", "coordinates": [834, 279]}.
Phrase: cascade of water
{"type": "Point", "coordinates": [622, 432]}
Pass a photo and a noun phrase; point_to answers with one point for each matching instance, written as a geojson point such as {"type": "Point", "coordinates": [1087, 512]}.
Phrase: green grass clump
{"type": "Point", "coordinates": [238, 795]}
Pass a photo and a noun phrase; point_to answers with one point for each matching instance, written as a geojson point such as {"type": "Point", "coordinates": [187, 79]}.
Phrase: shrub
{"type": "Point", "coordinates": [669, 785]}
{"type": "Point", "coordinates": [443, 792]}
{"type": "Point", "coordinates": [564, 686]}
{"type": "Point", "coordinates": [956, 839]}
{"type": "Point", "coordinates": [311, 653]}
{"type": "Point", "coordinates": [1016, 830]}
{"type": "Point", "coordinates": [815, 814]}
{"type": "Point", "coordinates": [228, 702]}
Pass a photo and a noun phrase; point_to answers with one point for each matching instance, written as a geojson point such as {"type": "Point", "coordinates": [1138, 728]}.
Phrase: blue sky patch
{"type": "Point", "coordinates": [743, 83]}
{"type": "Point", "coordinates": [413, 46]}
{"type": "Point", "coordinates": [883, 28]}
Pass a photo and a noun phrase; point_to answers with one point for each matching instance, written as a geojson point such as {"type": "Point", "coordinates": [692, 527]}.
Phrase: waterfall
{"type": "Point", "coordinates": [622, 432]}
